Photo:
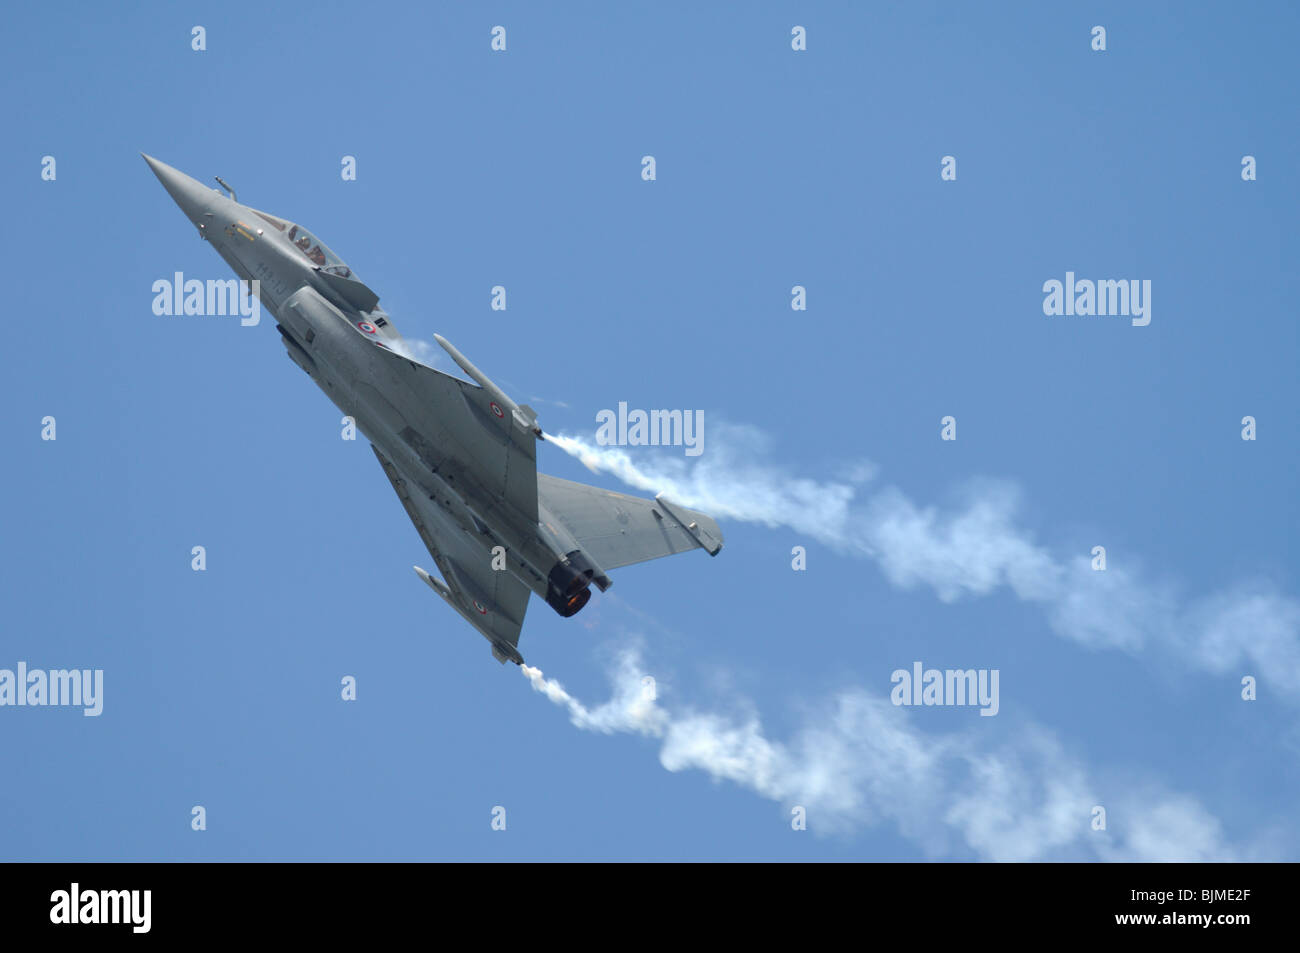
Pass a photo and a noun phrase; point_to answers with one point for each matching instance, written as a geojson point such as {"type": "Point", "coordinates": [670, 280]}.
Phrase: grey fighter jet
{"type": "Point", "coordinates": [462, 457]}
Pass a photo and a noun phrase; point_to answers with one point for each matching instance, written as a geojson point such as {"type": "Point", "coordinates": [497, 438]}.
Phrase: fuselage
{"type": "Point", "coordinates": [334, 330]}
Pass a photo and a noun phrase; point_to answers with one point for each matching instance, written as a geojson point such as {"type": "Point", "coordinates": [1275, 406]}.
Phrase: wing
{"type": "Point", "coordinates": [491, 601]}
{"type": "Point", "coordinates": [618, 530]}
{"type": "Point", "coordinates": [461, 431]}
{"type": "Point", "coordinates": [457, 428]}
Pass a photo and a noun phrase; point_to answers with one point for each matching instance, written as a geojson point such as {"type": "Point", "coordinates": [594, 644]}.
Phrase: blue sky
{"type": "Point", "coordinates": [775, 168]}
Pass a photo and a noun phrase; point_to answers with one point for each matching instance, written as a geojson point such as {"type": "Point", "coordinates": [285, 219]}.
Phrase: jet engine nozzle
{"type": "Point", "coordinates": [568, 584]}
{"type": "Point", "coordinates": [568, 606]}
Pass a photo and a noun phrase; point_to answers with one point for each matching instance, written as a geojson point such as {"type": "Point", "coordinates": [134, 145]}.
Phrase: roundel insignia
{"type": "Point", "coordinates": [366, 326]}
{"type": "Point", "coordinates": [496, 409]}
{"type": "Point", "coordinates": [482, 610]}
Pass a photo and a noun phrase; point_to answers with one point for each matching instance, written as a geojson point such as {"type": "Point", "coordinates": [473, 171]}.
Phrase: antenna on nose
{"type": "Point", "coordinates": [221, 182]}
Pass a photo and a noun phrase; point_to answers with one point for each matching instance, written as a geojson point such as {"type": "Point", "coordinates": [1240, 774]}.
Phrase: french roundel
{"type": "Point", "coordinates": [496, 409]}
{"type": "Point", "coordinates": [482, 610]}
{"type": "Point", "coordinates": [366, 326]}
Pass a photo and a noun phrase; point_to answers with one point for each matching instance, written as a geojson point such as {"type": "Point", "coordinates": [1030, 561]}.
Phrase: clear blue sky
{"type": "Point", "coordinates": [775, 168]}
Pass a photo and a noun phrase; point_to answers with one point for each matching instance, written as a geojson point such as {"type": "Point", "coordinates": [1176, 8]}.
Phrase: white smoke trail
{"type": "Point", "coordinates": [415, 349]}
{"type": "Point", "coordinates": [631, 710]}
{"type": "Point", "coordinates": [971, 550]}
{"type": "Point", "coordinates": [863, 763]}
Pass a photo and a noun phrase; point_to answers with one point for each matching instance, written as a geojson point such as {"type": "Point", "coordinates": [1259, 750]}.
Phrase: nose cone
{"type": "Point", "coordinates": [193, 197]}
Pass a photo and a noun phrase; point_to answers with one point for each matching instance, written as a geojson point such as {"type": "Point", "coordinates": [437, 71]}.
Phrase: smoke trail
{"type": "Point", "coordinates": [972, 549]}
{"type": "Point", "coordinates": [631, 710]}
{"type": "Point", "coordinates": [863, 763]}
{"type": "Point", "coordinates": [414, 349]}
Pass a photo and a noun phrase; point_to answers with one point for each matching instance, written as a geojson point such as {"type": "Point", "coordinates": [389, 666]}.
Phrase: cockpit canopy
{"type": "Point", "coordinates": [310, 246]}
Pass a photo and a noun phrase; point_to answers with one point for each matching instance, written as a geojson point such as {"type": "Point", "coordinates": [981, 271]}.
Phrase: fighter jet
{"type": "Point", "coordinates": [462, 456]}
